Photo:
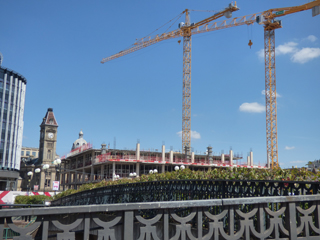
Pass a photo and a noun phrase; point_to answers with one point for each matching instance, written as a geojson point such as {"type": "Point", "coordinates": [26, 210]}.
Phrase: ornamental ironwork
{"type": "Point", "coordinates": [268, 218]}
{"type": "Point", "coordinates": [176, 190]}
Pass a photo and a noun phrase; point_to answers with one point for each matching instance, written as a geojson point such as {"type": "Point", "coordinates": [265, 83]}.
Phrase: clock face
{"type": "Point", "coordinates": [50, 135]}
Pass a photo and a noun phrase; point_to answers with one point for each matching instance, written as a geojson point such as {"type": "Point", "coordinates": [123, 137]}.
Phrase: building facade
{"type": "Point", "coordinates": [12, 99]}
{"type": "Point", "coordinates": [87, 165]}
{"type": "Point", "coordinates": [314, 165]}
{"type": "Point", "coordinates": [47, 149]}
{"type": "Point", "coordinates": [36, 158]}
{"type": "Point", "coordinates": [27, 152]}
{"type": "Point", "coordinates": [48, 138]}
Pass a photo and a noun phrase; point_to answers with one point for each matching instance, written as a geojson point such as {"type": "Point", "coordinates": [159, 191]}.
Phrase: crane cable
{"type": "Point", "coordinates": [178, 16]}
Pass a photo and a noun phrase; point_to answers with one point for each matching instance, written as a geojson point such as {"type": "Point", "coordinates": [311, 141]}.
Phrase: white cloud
{"type": "Point", "coordinates": [298, 55]}
{"type": "Point", "coordinates": [286, 48]}
{"type": "Point", "coordinates": [312, 38]}
{"type": "Point", "coordinates": [260, 54]}
{"type": "Point", "coordinates": [194, 134]}
{"type": "Point", "coordinates": [252, 107]}
{"type": "Point", "coordinates": [289, 148]}
{"type": "Point", "coordinates": [305, 54]}
{"type": "Point", "coordinates": [263, 92]}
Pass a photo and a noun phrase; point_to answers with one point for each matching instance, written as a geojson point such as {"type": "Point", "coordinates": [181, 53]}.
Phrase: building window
{"type": "Point", "coordinates": [22, 153]}
{"type": "Point", "coordinates": [47, 183]}
{"type": "Point", "coordinates": [51, 121]}
{"type": "Point", "coordinates": [34, 154]}
{"type": "Point", "coordinates": [49, 155]}
{"type": "Point", "coordinates": [28, 153]}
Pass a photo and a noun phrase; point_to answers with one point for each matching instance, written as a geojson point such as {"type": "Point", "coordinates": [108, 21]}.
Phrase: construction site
{"type": "Point", "coordinates": [86, 164]}
{"type": "Point", "coordinates": [269, 19]}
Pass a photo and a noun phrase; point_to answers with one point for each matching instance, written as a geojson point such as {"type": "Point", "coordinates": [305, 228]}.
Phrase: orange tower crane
{"type": "Point", "coordinates": [268, 19]}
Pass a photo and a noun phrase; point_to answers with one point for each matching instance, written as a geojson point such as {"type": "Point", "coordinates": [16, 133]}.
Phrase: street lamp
{"type": "Point", "coordinates": [37, 170]}
{"type": "Point", "coordinates": [57, 163]}
{"type": "Point", "coordinates": [176, 168]}
{"type": "Point", "coordinates": [29, 180]}
{"type": "Point", "coordinates": [133, 175]}
{"type": "Point", "coordinates": [45, 167]}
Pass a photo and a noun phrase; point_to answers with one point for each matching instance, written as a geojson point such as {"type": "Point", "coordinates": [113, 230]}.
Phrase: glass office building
{"type": "Point", "coordinates": [12, 98]}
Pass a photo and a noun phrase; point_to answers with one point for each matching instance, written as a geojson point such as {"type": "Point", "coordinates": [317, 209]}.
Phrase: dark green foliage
{"type": "Point", "coordinates": [295, 174]}
{"type": "Point", "coordinates": [38, 199]}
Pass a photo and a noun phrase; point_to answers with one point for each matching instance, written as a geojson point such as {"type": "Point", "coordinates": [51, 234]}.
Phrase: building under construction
{"type": "Point", "coordinates": [85, 164]}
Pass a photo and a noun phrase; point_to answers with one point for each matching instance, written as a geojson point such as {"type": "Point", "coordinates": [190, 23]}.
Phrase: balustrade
{"type": "Point", "coordinates": [285, 217]}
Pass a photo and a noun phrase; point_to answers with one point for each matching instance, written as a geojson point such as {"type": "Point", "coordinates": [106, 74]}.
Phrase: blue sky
{"type": "Point", "coordinates": [58, 46]}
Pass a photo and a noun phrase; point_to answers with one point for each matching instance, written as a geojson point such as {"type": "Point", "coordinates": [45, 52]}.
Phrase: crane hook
{"type": "Point", "coordinates": [250, 44]}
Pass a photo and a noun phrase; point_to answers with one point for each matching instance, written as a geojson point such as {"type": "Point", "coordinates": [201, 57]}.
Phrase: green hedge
{"type": "Point", "coordinates": [295, 174]}
{"type": "Point", "coordinates": [37, 199]}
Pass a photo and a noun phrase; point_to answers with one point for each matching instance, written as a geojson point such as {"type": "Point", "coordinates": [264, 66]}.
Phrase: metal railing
{"type": "Point", "coordinates": [9, 234]}
{"type": "Point", "coordinates": [285, 217]}
{"type": "Point", "coordinates": [175, 190]}
{"type": "Point", "coordinates": [9, 205]}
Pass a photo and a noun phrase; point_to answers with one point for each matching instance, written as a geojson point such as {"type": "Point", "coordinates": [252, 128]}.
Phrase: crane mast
{"type": "Point", "coordinates": [186, 88]}
{"type": "Point", "coordinates": [271, 97]}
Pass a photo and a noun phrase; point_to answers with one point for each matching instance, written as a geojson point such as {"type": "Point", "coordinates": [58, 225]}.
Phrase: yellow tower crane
{"type": "Point", "coordinates": [268, 19]}
{"type": "Point", "coordinates": [186, 30]}
{"type": "Point", "coordinates": [270, 24]}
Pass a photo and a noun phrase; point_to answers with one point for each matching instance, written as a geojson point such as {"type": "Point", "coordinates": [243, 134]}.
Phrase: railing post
{"type": "Point", "coordinates": [261, 218]}
{"type": "Point", "coordinates": [45, 227]}
{"type": "Point", "coordinates": [1, 227]}
{"type": "Point", "coordinates": [166, 224]}
{"type": "Point", "coordinates": [199, 223]}
{"type": "Point", "coordinates": [86, 233]}
{"type": "Point", "coordinates": [128, 225]}
{"type": "Point", "coordinates": [223, 190]}
{"type": "Point", "coordinates": [292, 221]}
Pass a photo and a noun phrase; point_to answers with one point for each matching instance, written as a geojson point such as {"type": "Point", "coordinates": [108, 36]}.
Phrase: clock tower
{"type": "Point", "coordinates": [48, 138]}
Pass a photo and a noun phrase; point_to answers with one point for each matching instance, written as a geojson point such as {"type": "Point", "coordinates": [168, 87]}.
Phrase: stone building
{"type": "Point", "coordinates": [46, 156]}
{"type": "Point", "coordinates": [27, 152]}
